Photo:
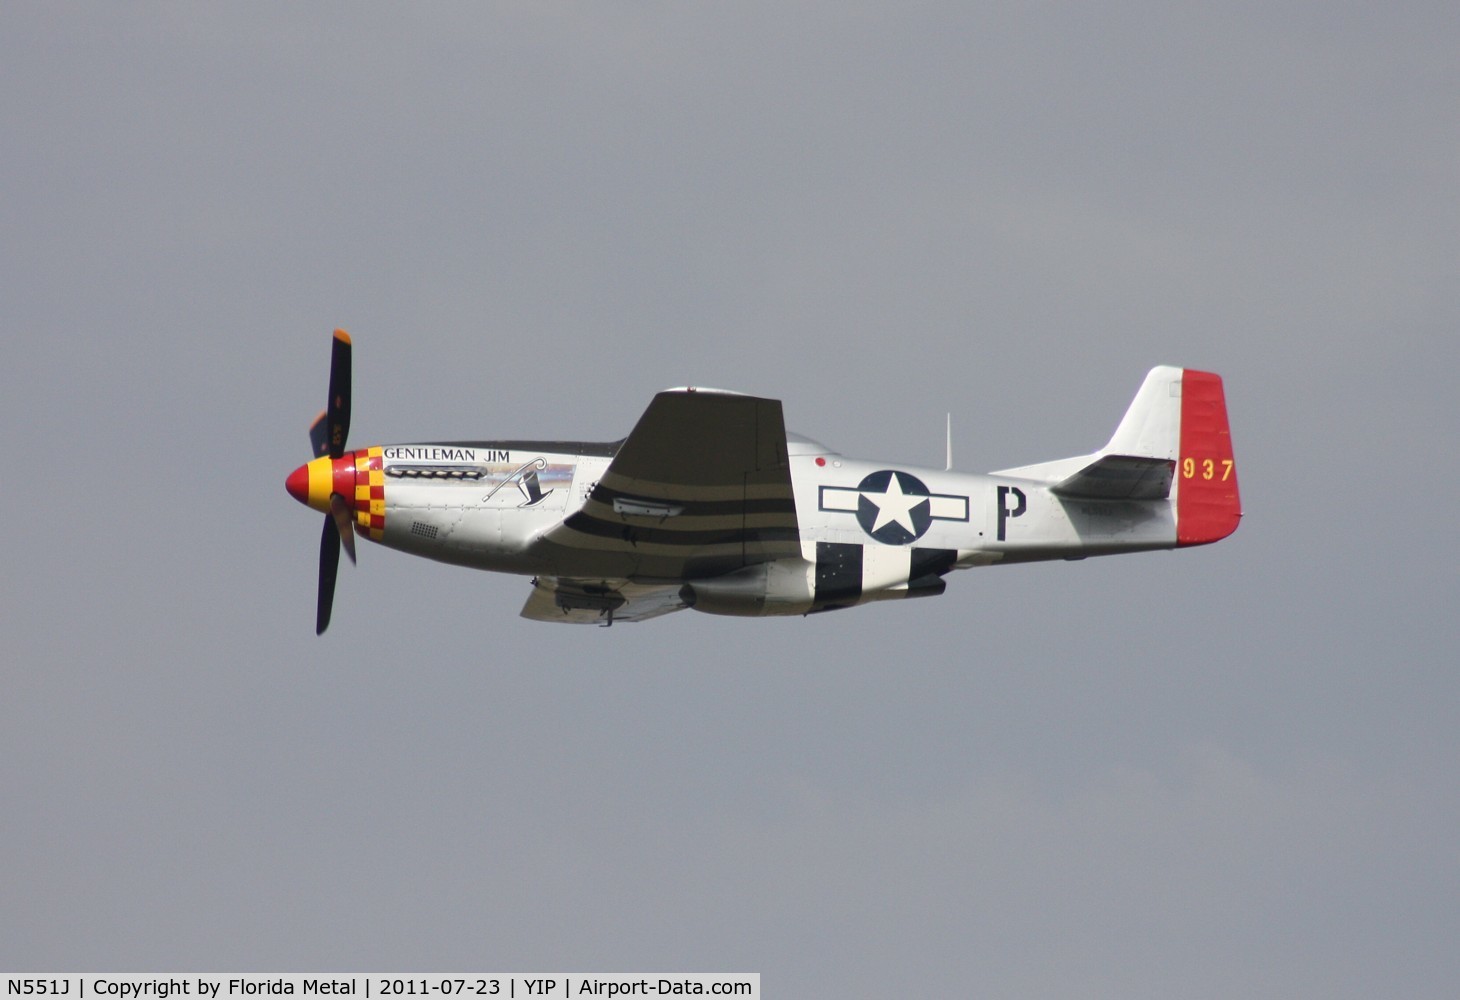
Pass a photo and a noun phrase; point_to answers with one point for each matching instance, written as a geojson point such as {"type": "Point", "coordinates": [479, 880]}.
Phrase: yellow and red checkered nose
{"type": "Point", "coordinates": [356, 475]}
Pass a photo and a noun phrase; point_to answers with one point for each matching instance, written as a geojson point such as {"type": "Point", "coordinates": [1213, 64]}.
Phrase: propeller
{"type": "Point", "coordinates": [330, 429]}
{"type": "Point", "coordinates": [327, 436]}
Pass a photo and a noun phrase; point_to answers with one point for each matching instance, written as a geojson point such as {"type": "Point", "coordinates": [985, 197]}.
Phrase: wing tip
{"type": "Point", "coordinates": [703, 390]}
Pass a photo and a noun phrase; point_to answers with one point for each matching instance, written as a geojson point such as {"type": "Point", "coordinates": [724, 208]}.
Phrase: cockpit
{"type": "Point", "coordinates": [802, 446]}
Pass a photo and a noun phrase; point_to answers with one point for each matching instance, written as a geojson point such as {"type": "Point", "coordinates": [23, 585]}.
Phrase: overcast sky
{"type": "Point", "coordinates": [1229, 771]}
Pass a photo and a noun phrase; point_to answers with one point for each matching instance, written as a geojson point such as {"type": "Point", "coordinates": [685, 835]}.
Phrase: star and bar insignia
{"type": "Point", "coordinates": [895, 508]}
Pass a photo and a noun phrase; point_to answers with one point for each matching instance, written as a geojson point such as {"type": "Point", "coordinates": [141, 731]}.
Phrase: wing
{"type": "Point", "coordinates": [701, 487]}
{"type": "Point", "coordinates": [598, 602]}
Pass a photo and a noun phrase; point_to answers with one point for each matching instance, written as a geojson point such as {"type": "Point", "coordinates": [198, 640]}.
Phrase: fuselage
{"type": "Point", "coordinates": [487, 504]}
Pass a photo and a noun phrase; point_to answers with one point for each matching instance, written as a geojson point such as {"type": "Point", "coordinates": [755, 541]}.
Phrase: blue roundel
{"type": "Point", "coordinates": [893, 507]}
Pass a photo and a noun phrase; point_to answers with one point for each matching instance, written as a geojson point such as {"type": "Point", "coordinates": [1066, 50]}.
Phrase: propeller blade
{"type": "Point", "coordinates": [327, 436]}
{"type": "Point", "coordinates": [337, 411]}
{"type": "Point", "coordinates": [344, 523]}
{"type": "Point", "coordinates": [319, 436]}
{"type": "Point", "coordinates": [329, 565]}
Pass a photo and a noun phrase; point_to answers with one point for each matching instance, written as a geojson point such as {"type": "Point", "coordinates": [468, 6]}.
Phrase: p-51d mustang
{"type": "Point", "coordinates": [709, 504]}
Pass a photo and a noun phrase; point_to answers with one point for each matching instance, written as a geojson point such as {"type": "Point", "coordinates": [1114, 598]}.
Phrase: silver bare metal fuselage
{"type": "Point", "coordinates": [488, 505]}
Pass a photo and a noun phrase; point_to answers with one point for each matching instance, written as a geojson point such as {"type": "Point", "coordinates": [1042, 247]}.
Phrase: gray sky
{"type": "Point", "coordinates": [1229, 771]}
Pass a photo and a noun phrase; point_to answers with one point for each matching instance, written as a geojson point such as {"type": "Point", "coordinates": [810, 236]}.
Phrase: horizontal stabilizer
{"type": "Point", "coordinates": [1119, 477]}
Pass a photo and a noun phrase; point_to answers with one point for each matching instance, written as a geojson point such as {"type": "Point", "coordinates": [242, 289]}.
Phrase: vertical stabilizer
{"type": "Point", "coordinates": [1151, 427]}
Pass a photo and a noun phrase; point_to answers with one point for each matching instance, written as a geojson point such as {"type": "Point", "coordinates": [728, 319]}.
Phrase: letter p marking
{"type": "Point", "coordinates": [1005, 511]}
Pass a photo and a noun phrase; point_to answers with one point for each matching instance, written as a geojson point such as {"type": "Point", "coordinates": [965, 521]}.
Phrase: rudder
{"type": "Point", "coordinates": [1208, 506]}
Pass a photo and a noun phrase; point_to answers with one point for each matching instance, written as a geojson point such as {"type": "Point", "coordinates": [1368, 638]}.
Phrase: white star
{"type": "Point", "coordinates": [895, 505]}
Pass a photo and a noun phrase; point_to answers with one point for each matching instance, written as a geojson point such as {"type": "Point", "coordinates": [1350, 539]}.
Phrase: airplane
{"type": "Point", "coordinates": [710, 504]}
